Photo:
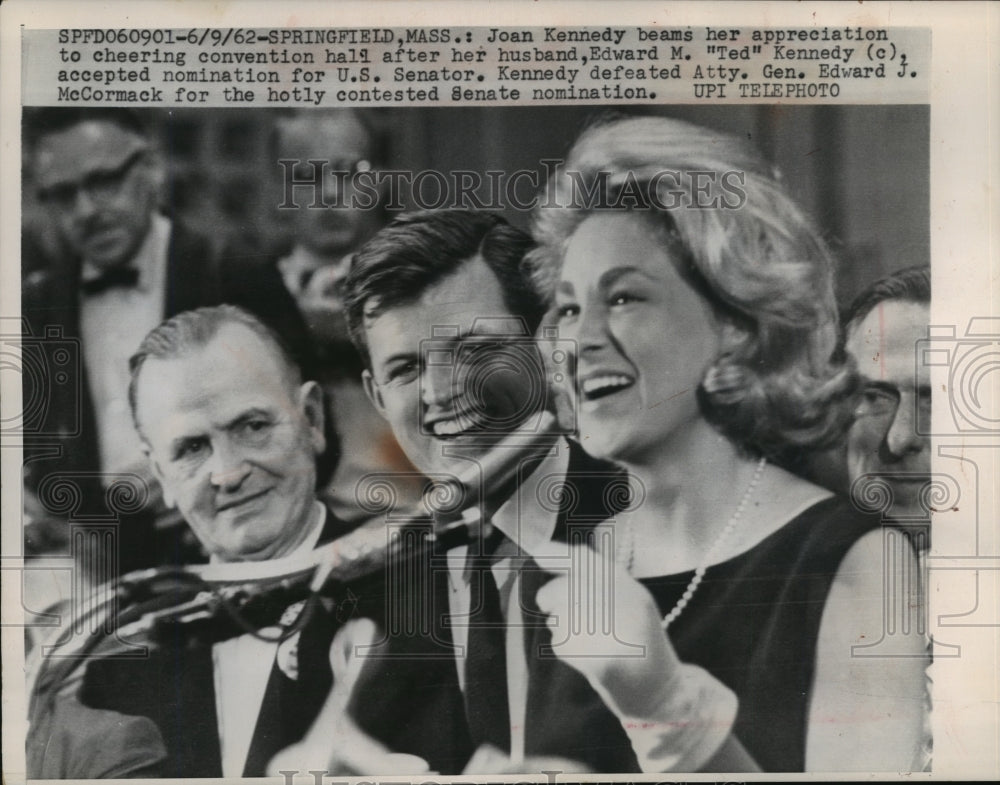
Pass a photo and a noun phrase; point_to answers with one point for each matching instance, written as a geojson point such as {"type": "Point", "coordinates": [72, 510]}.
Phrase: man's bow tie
{"type": "Point", "coordinates": [117, 276]}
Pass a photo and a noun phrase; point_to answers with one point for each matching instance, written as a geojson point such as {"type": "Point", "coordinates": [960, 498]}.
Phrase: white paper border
{"type": "Point", "coordinates": [965, 141]}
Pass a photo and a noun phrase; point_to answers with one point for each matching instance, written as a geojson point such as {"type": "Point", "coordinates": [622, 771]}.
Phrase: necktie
{"type": "Point", "coordinates": [125, 277]}
{"type": "Point", "coordinates": [486, 659]}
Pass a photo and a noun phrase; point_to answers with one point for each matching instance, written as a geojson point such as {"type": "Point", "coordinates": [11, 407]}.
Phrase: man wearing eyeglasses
{"type": "Point", "coordinates": [889, 435]}
{"type": "Point", "coordinates": [122, 269]}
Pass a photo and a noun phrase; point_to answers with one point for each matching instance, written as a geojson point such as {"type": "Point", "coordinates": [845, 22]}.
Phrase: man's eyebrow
{"type": "Point", "coordinates": [460, 334]}
{"type": "Point", "coordinates": [177, 442]}
{"type": "Point", "coordinates": [249, 414]}
{"type": "Point", "coordinates": [409, 354]}
{"type": "Point", "coordinates": [878, 384]}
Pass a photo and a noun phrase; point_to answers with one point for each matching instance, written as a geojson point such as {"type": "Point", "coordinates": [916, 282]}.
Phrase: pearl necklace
{"type": "Point", "coordinates": [724, 535]}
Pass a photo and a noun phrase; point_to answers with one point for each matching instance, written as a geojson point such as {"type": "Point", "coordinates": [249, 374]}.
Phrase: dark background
{"type": "Point", "coordinates": [862, 172]}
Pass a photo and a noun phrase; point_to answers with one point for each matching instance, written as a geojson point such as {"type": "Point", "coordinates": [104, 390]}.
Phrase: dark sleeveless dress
{"type": "Point", "coordinates": [754, 621]}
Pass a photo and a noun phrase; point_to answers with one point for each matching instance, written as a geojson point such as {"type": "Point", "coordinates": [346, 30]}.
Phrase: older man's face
{"type": "Point", "coordinates": [98, 182]}
{"type": "Point", "coordinates": [234, 444]}
{"type": "Point", "coordinates": [884, 438]}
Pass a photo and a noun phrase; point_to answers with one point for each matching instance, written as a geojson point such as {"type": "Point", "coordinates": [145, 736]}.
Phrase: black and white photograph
{"type": "Point", "coordinates": [537, 396]}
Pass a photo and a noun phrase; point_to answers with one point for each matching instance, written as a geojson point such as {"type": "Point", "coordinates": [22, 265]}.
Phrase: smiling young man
{"type": "Point", "coordinates": [444, 320]}
{"type": "Point", "coordinates": [443, 311]}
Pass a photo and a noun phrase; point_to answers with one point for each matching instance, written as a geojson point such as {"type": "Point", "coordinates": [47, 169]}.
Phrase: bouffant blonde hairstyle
{"type": "Point", "coordinates": [778, 385]}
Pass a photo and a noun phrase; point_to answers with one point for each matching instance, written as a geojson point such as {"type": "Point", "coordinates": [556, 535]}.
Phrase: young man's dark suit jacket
{"type": "Point", "coordinates": [565, 717]}
{"type": "Point", "coordinates": [199, 272]}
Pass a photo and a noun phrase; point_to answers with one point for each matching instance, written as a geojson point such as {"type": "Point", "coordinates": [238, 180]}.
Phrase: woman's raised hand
{"type": "Point", "coordinates": [607, 626]}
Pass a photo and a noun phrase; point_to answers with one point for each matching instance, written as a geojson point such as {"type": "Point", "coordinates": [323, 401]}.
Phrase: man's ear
{"type": "Point", "coordinates": [168, 497]}
{"type": "Point", "coordinates": [373, 392]}
{"type": "Point", "coordinates": [311, 405]}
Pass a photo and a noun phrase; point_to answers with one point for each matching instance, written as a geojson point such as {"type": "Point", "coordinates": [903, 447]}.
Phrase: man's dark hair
{"type": "Point", "coordinates": [910, 285]}
{"type": "Point", "coordinates": [418, 250]}
{"type": "Point", "coordinates": [39, 122]}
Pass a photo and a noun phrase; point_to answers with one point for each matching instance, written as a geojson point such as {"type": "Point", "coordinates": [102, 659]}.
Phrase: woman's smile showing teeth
{"type": "Point", "coordinates": [445, 428]}
{"type": "Point", "coordinates": [599, 385]}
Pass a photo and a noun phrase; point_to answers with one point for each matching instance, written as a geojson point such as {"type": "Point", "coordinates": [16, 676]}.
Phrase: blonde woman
{"type": "Point", "coordinates": [701, 304]}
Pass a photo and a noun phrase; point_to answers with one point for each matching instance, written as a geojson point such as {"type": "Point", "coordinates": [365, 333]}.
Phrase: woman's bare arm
{"type": "Point", "coordinates": [866, 709]}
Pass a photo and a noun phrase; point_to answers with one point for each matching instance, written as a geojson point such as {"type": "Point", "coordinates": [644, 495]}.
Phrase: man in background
{"type": "Point", "coordinates": [889, 441]}
{"type": "Point", "coordinates": [890, 435]}
{"type": "Point", "coordinates": [126, 266]}
{"type": "Point", "coordinates": [320, 154]}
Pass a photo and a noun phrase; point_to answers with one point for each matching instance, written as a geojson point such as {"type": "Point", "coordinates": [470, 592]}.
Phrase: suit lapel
{"type": "Point", "coordinates": [294, 695]}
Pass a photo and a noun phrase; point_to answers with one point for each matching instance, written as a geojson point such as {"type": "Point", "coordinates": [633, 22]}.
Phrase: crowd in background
{"type": "Point", "coordinates": [796, 396]}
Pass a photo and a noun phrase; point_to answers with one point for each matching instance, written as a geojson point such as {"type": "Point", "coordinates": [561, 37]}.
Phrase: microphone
{"type": "Point", "coordinates": [213, 602]}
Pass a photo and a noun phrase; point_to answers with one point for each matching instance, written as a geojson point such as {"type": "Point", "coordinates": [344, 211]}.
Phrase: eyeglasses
{"type": "Point", "coordinates": [335, 169]}
{"type": "Point", "coordinates": [101, 185]}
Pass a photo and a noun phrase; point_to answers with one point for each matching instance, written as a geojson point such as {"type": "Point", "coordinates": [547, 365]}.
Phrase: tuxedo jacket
{"type": "Point", "coordinates": [407, 696]}
{"type": "Point", "coordinates": [174, 688]}
{"type": "Point", "coordinates": [60, 424]}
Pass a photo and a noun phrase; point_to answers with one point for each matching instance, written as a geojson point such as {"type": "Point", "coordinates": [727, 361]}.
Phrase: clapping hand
{"type": "Point", "coordinates": [334, 743]}
{"type": "Point", "coordinates": [607, 626]}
